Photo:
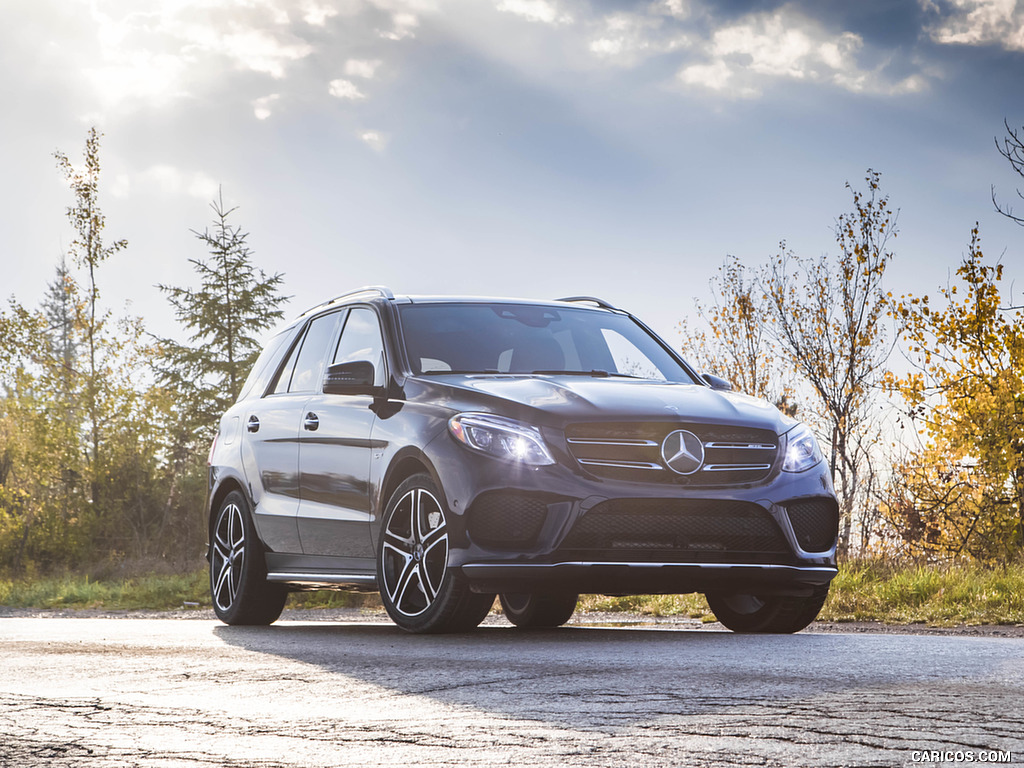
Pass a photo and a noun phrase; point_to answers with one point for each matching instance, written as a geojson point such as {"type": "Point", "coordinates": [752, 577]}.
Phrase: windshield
{"type": "Point", "coordinates": [532, 339]}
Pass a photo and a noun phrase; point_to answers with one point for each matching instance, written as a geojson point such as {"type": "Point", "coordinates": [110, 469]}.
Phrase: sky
{"type": "Point", "coordinates": [533, 148]}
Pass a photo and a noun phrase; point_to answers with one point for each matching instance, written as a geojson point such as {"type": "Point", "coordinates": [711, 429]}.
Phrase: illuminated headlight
{"type": "Point", "coordinates": [500, 437]}
{"type": "Point", "coordinates": [802, 451]}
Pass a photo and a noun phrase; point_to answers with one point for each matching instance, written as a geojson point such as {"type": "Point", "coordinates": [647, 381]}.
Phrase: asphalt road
{"type": "Point", "coordinates": [159, 692]}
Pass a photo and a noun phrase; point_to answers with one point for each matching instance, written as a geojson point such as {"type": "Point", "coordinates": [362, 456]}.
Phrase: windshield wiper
{"type": "Point", "coordinates": [595, 373]}
{"type": "Point", "coordinates": [458, 372]}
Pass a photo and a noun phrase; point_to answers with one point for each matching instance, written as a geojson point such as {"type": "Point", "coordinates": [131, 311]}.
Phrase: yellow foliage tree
{"type": "Point", "coordinates": [963, 493]}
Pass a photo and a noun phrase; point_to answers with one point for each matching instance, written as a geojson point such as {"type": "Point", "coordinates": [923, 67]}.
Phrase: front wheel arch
{"type": "Point", "coordinates": [421, 592]}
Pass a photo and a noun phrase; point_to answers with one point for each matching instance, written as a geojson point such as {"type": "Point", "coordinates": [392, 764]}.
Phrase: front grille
{"type": "Point", "coordinates": [691, 528]}
{"type": "Point", "coordinates": [632, 451]}
{"type": "Point", "coordinates": [500, 520]}
{"type": "Point", "coordinates": [815, 523]}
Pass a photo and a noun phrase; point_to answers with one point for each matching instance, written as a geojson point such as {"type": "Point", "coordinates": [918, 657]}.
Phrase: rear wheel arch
{"type": "Point", "coordinates": [221, 492]}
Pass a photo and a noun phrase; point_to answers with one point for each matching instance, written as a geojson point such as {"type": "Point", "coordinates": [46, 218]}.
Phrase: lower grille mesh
{"type": "Point", "coordinates": [506, 520]}
{"type": "Point", "coordinates": [678, 525]}
{"type": "Point", "coordinates": [815, 523]}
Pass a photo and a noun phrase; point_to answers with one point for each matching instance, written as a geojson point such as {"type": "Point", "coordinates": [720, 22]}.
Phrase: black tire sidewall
{"type": "Point", "coordinates": [540, 611]}
{"type": "Point", "coordinates": [778, 615]}
{"type": "Point", "coordinates": [455, 608]}
{"type": "Point", "coordinates": [257, 601]}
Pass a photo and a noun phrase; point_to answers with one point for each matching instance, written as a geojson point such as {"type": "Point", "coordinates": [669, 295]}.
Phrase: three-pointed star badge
{"type": "Point", "coordinates": [683, 452]}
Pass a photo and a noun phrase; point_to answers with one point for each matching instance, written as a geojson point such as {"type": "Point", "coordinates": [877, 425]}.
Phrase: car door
{"type": "Point", "coordinates": [270, 443]}
{"type": "Point", "coordinates": [335, 454]}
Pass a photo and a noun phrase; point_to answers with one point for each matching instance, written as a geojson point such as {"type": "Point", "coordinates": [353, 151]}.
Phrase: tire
{"type": "Point", "coordinates": [767, 614]}
{"type": "Point", "coordinates": [531, 610]}
{"type": "Point", "coordinates": [238, 572]}
{"type": "Point", "coordinates": [420, 592]}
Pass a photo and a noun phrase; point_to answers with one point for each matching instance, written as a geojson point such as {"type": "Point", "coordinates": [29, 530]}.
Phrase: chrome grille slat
{"type": "Point", "coordinates": [625, 451]}
{"type": "Point", "coordinates": [581, 441]}
{"type": "Point", "coordinates": [623, 464]}
{"type": "Point", "coordinates": [741, 446]}
{"type": "Point", "coordinates": [735, 467]}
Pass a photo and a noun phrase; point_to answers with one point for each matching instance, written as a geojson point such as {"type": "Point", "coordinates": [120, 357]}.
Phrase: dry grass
{"type": "Point", "coordinates": [947, 595]}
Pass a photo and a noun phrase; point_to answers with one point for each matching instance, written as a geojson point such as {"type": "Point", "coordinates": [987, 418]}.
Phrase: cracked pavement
{"type": "Point", "coordinates": [104, 692]}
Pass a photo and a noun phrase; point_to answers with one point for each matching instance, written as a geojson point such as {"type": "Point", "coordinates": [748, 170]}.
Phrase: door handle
{"type": "Point", "coordinates": [312, 422]}
{"type": "Point", "coordinates": [253, 425]}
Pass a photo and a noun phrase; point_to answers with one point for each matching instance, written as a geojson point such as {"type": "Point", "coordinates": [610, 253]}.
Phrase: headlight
{"type": "Point", "coordinates": [802, 451]}
{"type": "Point", "coordinates": [500, 437]}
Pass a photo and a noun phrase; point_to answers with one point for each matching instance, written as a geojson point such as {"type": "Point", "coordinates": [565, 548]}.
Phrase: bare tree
{"type": "Point", "coordinates": [829, 317]}
{"type": "Point", "coordinates": [1012, 148]}
{"type": "Point", "coordinates": [737, 345]}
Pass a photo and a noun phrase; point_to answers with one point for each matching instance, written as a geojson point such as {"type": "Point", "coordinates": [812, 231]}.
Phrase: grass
{"type": "Point", "coordinates": [153, 592]}
{"type": "Point", "coordinates": [863, 591]}
{"type": "Point", "coordinates": [941, 596]}
{"type": "Point", "coordinates": [934, 595]}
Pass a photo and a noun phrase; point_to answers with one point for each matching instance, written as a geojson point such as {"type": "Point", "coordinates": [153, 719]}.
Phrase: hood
{"type": "Point", "coordinates": [560, 400]}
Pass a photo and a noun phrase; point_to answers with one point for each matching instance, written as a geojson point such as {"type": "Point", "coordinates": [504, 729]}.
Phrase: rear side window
{"type": "Point", "coordinates": [310, 364]}
{"type": "Point", "coordinates": [304, 368]}
{"type": "Point", "coordinates": [265, 366]}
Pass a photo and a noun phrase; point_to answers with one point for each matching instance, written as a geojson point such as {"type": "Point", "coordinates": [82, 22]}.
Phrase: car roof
{"type": "Point", "coordinates": [376, 294]}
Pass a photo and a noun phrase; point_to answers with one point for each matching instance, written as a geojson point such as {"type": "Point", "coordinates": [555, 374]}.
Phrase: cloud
{"type": "Point", "coordinates": [361, 68]}
{"type": "Point", "coordinates": [743, 56]}
{"type": "Point", "coordinates": [627, 38]}
{"type": "Point", "coordinates": [679, 9]}
{"type": "Point", "coordinates": [157, 52]}
{"type": "Point", "coordinates": [263, 51]}
{"type": "Point", "coordinates": [345, 89]}
{"type": "Point", "coordinates": [133, 76]}
{"type": "Point", "coordinates": [165, 180]}
{"type": "Point", "coordinates": [540, 11]}
{"type": "Point", "coordinates": [317, 15]}
{"type": "Point", "coordinates": [261, 106]}
{"type": "Point", "coordinates": [978, 22]}
{"type": "Point", "coordinates": [716, 76]}
{"type": "Point", "coordinates": [376, 140]}
{"type": "Point", "coordinates": [403, 25]}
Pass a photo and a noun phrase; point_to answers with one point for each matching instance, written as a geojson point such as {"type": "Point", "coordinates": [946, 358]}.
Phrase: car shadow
{"type": "Point", "coordinates": [586, 677]}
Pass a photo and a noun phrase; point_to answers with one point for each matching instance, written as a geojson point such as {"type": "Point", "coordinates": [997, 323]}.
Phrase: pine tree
{"type": "Point", "coordinates": [60, 309]}
{"type": "Point", "coordinates": [225, 318]}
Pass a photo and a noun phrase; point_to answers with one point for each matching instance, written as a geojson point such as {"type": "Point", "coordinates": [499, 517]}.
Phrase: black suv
{"type": "Point", "coordinates": [444, 450]}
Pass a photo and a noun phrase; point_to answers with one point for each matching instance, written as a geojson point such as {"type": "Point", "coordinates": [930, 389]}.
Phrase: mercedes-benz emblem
{"type": "Point", "coordinates": [683, 452]}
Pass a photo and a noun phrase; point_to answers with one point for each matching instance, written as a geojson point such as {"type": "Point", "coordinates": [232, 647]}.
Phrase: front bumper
{"type": "Point", "coordinates": [558, 528]}
{"type": "Point", "coordinates": [627, 578]}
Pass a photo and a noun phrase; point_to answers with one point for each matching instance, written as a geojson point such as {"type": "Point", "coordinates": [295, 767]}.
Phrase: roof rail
{"type": "Point", "coordinates": [380, 290]}
{"type": "Point", "coordinates": [600, 302]}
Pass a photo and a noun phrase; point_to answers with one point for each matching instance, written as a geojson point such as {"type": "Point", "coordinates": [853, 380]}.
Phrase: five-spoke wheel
{"type": "Point", "coordinates": [238, 585]}
{"type": "Point", "coordinates": [420, 592]}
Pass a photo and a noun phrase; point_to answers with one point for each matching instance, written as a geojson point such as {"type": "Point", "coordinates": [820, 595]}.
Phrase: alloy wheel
{"type": "Point", "coordinates": [228, 556]}
{"type": "Point", "coordinates": [415, 552]}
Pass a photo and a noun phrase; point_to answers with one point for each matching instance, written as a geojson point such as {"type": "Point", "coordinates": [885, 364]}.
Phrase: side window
{"type": "Point", "coordinates": [304, 366]}
{"type": "Point", "coordinates": [285, 376]}
{"type": "Point", "coordinates": [361, 340]}
{"type": "Point", "coordinates": [264, 367]}
{"type": "Point", "coordinates": [310, 364]}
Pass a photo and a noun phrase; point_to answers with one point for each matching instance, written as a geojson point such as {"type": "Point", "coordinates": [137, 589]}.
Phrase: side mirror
{"type": "Point", "coordinates": [355, 378]}
{"type": "Point", "coordinates": [717, 382]}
